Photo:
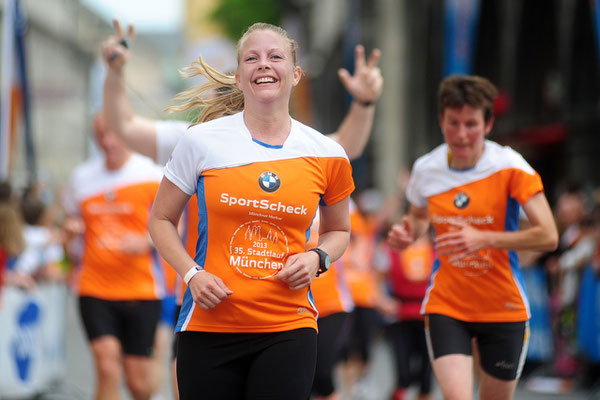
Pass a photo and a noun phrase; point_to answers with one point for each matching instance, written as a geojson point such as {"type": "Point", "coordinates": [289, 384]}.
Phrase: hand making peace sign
{"type": "Point", "coordinates": [115, 49]}
{"type": "Point", "coordinates": [366, 84]}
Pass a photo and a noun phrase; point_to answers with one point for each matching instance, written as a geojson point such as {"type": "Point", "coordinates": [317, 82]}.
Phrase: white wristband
{"type": "Point", "coordinates": [190, 274]}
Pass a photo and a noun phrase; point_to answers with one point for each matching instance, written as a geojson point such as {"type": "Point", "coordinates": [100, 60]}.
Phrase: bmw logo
{"type": "Point", "coordinates": [461, 200]}
{"type": "Point", "coordinates": [269, 182]}
{"type": "Point", "coordinates": [110, 196]}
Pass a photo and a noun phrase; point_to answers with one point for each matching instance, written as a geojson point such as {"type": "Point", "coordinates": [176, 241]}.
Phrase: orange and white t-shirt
{"type": "Point", "coordinates": [358, 260]}
{"type": "Point", "coordinates": [168, 133]}
{"type": "Point", "coordinates": [330, 290]}
{"type": "Point", "coordinates": [113, 205]}
{"type": "Point", "coordinates": [487, 286]}
{"type": "Point", "coordinates": [256, 203]}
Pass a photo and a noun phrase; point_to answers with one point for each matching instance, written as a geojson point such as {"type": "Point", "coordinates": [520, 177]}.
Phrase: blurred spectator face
{"type": "Point", "coordinates": [570, 209]}
{"type": "Point", "coordinates": [464, 131]}
{"type": "Point", "coordinates": [112, 147]}
{"type": "Point", "coordinates": [369, 201]}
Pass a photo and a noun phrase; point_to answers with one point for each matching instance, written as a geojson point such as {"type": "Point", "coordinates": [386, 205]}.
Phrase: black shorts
{"type": "Point", "coordinates": [502, 345]}
{"type": "Point", "coordinates": [132, 322]}
{"type": "Point", "coordinates": [364, 324]}
{"type": "Point", "coordinates": [175, 337]}
{"type": "Point", "coordinates": [251, 366]}
{"type": "Point", "coordinates": [334, 330]}
{"type": "Point", "coordinates": [410, 354]}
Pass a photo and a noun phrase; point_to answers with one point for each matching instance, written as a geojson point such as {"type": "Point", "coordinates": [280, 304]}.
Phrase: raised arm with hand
{"type": "Point", "coordinates": [414, 225]}
{"type": "Point", "coordinates": [365, 87]}
{"type": "Point", "coordinates": [137, 132]}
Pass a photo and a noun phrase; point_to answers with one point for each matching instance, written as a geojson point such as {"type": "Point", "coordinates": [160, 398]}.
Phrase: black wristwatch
{"type": "Point", "coordinates": [324, 260]}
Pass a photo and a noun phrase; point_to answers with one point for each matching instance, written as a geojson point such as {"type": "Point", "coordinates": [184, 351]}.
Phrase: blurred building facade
{"type": "Point", "coordinates": [543, 56]}
{"type": "Point", "coordinates": [60, 48]}
{"type": "Point", "coordinates": [65, 74]}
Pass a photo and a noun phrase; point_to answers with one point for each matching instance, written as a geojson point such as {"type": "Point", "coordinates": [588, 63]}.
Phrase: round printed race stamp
{"type": "Point", "coordinates": [258, 249]}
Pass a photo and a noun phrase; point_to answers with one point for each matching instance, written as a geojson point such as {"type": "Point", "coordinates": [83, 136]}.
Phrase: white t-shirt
{"type": "Point", "coordinates": [168, 133]}
{"type": "Point", "coordinates": [40, 250]}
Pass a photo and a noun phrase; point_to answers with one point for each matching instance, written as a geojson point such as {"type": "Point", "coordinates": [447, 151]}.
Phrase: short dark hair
{"type": "Point", "coordinates": [32, 209]}
{"type": "Point", "coordinates": [5, 191]}
{"type": "Point", "coordinates": [458, 90]}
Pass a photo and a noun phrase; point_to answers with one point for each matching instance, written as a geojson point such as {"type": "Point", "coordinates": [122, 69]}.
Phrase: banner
{"type": "Point", "coordinates": [541, 344]}
{"type": "Point", "coordinates": [588, 310]}
{"type": "Point", "coordinates": [460, 31]}
{"type": "Point", "coordinates": [14, 96]}
{"type": "Point", "coordinates": [596, 16]}
{"type": "Point", "coordinates": [32, 340]}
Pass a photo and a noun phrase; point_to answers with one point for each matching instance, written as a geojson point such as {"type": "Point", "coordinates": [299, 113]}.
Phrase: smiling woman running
{"type": "Point", "coordinates": [248, 323]}
{"type": "Point", "coordinates": [471, 190]}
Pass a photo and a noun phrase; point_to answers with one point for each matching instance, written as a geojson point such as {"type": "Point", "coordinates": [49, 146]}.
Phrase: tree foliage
{"type": "Point", "coordinates": [237, 15]}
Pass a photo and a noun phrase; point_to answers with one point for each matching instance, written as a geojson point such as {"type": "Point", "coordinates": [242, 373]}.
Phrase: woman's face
{"type": "Point", "coordinates": [266, 70]}
{"type": "Point", "coordinates": [464, 131]}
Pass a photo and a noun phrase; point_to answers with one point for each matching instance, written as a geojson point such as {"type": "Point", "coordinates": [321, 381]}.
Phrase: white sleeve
{"type": "Point", "coordinates": [413, 194]}
{"type": "Point", "coordinates": [578, 255]}
{"type": "Point", "coordinates": [168, 134]}
{"type": "Point", "coordinates": [28, 261]}
{"type": "Point", "coordinates": [36, 256]}
{"type": "Point", "coordinates": [381, 259]}
{"type": "Point", "coordinates": [69, 202]}
{"type": "Point", "coordinates": [185, 164]}
{"type": "Point", "coordinates": [54, 253]}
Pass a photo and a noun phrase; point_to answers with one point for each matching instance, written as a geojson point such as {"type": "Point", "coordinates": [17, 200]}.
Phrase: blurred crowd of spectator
{"type": "Point", "coordinates": [563, 286]}
{"type": "Point", "coordinates": [32, 238]}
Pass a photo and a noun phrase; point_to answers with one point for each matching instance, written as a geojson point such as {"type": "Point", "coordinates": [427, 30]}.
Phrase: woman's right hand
{"type": "Point", "coordinates": [208, 290]}
{"type": "Point", "coordinates": [399, 236]}
{"type": "Point", "coordinates": [115, 49]}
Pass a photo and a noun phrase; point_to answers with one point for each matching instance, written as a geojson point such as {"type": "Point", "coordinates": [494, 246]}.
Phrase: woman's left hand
{"type": "Point", "coordinates": [461, 241]}
{"type": "Point", "coordinates": [299, 270]}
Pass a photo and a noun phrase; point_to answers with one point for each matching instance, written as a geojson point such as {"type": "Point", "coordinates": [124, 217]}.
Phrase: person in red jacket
{"type": "Point", "coordinates": [407, 280]}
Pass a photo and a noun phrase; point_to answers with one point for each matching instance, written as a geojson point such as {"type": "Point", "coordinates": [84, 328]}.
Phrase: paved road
{"type": "Point", "coordinates": [379, 383]}
{"type": "Point", "coordinates": [79, 380]}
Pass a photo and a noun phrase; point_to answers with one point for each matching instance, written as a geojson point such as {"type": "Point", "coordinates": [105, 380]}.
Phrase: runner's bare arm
{"type": "Point", "coordinates": [334, 235]}
{"type": "Point", "coordinates": [365, 87]}
{"type": "Point", "coordinates": [540, 235]}
{"type": "Point", "coordinates": [208, 290]}
{"type": "Point", "coordinates": [137, 132]}
{"type": "Point", "coordinates": [414, 225]}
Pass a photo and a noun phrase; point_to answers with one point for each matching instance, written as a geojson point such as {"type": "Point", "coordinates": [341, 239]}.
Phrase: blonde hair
{"type": "Point", "coordinates": [261, 26]}
{"type": "Point", "coordinates": [11, 229]}
{"type": "Point", "coordinates": [220, 96]}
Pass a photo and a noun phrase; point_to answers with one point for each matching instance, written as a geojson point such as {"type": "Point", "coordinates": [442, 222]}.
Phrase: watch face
{"type": "Point", "coordinates": [324, 260]}
{"type": "Point", "coordinates": [327, 262]}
